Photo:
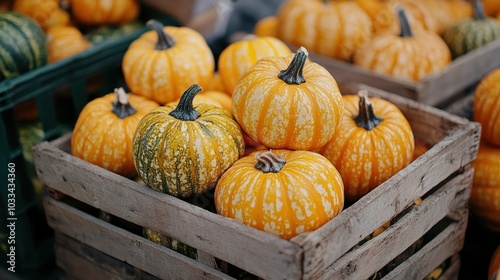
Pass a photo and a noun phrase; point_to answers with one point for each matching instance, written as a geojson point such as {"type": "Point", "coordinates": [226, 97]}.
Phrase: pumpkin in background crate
{"type": "Point", "coordinates": [97, 12]}
{"type": "Point", "coordinates": [64, 42]}
{"type": "Point", "coordinates": [47, 13]}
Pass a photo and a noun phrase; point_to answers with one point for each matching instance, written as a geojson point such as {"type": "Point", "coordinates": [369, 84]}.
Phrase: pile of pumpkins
{"type": "Point", "coordinates": [268, 131]}
{"type": "Point", "coordinates": [52, 30]}
{"type": "Point", "coordinates": [401, 38]}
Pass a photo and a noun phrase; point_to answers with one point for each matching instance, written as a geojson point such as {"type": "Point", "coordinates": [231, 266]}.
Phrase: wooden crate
{"type": "Point", "coordinates": [438, 89]}
{"type": "Point", "coordinates": [442, 177]}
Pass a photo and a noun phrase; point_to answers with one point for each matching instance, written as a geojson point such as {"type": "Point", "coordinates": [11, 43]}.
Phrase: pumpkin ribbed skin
{"type": "Point", "coordinates": [98, 12]}
{"type": "Point", "coordinates": [239, 56]}
{"type": "Point", "coordinates": [334, 29]}
{"type": "Point", "coordinates": [292, 116]}
{"type": "Point", "coordinates": [366, 158]}
{"type": "Point", "coordinates": [103, 138]}
{"type": "Point", "coordinates": [494, 265]}
{"type": "Point", "coordinates": [47, 13]}
{"type": "Point", "coordinates": [305, 194]}
{"type": "Point", "coordinates": [163, 75]}
{"type": "Point", "coordinates": [64, 42]}
{"type": "Point", "coordinates": [487, 106]}
{"type": "Point", "coordinates": [472, 33]}
{"type": "Point", "coordinates": [485, 195]}
{"type": "Point", "coordinates": [407, 55]}
{"type": "Point", "coordinates": [185, 157]}
{"type": "Point", "coordinates": [22, 45]}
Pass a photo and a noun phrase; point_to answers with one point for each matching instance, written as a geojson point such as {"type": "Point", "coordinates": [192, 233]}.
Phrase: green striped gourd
{"type": "Point", "coordinates": [22, 45]}
{"type": "Point", "coordinates": [182, 150]}
{"type": "Point", "coordinates": [472, 33]}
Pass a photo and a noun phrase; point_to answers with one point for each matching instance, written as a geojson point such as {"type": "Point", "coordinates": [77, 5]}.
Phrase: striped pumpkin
{"type": "Point", "coordinates": [239, 56]}
{"type": "Point", "coordinates": [281, 192]}
{"type": "Point", "coordinates": [472, 33]}
{"type": "Point", "coordinates": [183, 150]}
{"type": "Point", "coordinates": [22, 45]}
{"type": "Point", "coordinates": [333, 29]}
{"type": "Point", "coordinates": [165, 61]}
{"type": "Point", "coordinates": [288, 103]}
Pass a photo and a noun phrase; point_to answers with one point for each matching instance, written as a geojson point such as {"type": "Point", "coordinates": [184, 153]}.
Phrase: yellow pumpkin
{"type": "Point", "coordinates": [281, 192]}
{"type": "Point", "coordinates": [105, 128]}
{"type": "Point", "coordinates": [288, 102]}
{"type": "Point", "coordinates": [64, 42]}
{"type": "Point", "coordinates": [99, 12]}
{"type": "Point", "coordinates": [165, 61]}
{"type": "Point", "coordinates": [239, 56]}
{"type": "Point", "coordinates": [47, 13]}
{"type": "Point", "coordinates": [374, 142]}
{"type": "Point", "coordinates": [485, 195]}
{"type": "Point", "coordinates": [487, 106]}
{"type": "Point", "coordinates": [334, 29]}
{"type": "Point", "coordinates": [408, 55]}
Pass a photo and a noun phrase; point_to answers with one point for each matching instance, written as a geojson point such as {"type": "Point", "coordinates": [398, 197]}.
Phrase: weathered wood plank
{"type": "Point", "coordinates": [123, 245]}
{"type": "Point", "coordinates": [376, 253]}
{"type": "Point", "coordinates": [451, 273]}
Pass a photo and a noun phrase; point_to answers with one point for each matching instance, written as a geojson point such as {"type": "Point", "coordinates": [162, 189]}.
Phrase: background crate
{"type": "Point", "coordinates": [442, 177]}
{"type": "Point", "coordinates": [58, 91]}
{"type": "Point", "coordinates": [438, 89]}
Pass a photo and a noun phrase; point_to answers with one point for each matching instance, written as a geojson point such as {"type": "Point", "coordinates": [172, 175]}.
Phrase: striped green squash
{"type": "Point", "coordinates": [472, 33]}
{"type": "Point", "coordinates": [22, 45]}
{"type": "Point", "coordinates": [183, 150]}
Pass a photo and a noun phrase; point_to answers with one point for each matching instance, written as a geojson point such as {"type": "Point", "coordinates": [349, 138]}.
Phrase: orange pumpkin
{"type": "Point", "coordinates": [216, 83]}
{"type": "Point", "coordinates": [494, 268]}
{"type": "Point", "coordinates": [485, 195]}
{"type": "Point", "coordinates": [334, 29]}
{"type": "Point", "coordinates": [487, 106]}
{"type": "Point", "coordinates": [267, 26]}
{"type": "Point", "coordinates": [491, 7]}
{"type": "Point", "coordinates": [374, 142]}
{"type": "Point", "coordinates": [288, 102]}
{"type": "Point", "coordinates": [408, 55]}
{"type": "Point", "coordinates": [239, 56]}
{"type": "Point", "coordinates": [281, 192]}
{"type": "Point", "coordinates": [165, 61]}
{"type": "Point", "coordinates": [65, 41]}
{"type": "Point", "coordinates": [47, 13]}
{"type": "Point", "coordinates": [105, 128]}
{"type": "Point", "coordinates": [98, 12]}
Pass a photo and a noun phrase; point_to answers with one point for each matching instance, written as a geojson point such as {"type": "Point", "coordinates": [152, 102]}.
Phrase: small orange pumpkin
{"type": "Point", "coordinates": [239, 56]}
{"type": "Point", "coordinates": [47, 13]}
{"type": "Point", "coordinates": [165, 61]}
{"type": "Point", "coordinates": [281, 192]}
{"type": "Point", "coordinates": [216, 83]}
{"type": "Point", "coordinates": [288, 103]}
{"type": "Point", "coordinates": [105, 128]}
{"type": "Point", "coordinates": [65, 41]}
{"type": "Point", "coordinates": [98, 12]}
{"type": "Point", "coordinates": [374, 142]}
{"type": "Point", "coordinates": [267, 26]}
{"type": "Point", "coordinates": [487, 106]}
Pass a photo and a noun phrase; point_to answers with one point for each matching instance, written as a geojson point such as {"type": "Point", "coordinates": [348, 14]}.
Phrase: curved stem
{"type": "Point", "coordinates": [122, 107]}
{"type": "Point", "coordinates": [479, 10]}
{"type": "Point", "coordinates": [165, 41]}
{"type": "Point", "coordinates": [184, 110]}
{"type": "Point", "coordinates": [403, 22]}
{"type": "Point", "coordinates": [366, 117]}
{"type": "Point", "coordinates": [293, 74]}
{"type": "Point", "coordinates": [269, 162]}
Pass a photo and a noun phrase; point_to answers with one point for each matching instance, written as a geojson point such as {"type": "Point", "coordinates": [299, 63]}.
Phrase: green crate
{"type": "Point", "coordinates": [60, 90]}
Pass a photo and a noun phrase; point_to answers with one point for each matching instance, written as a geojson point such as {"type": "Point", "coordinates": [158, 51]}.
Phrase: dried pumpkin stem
{"type": "Point", "coordinates": [165, 41]}
{"type": "Point", "coordinates": [366, 117]}
{"type": "Point", "coordinates": [404, 23]}
{"type": "Point", "coordinates": [122, 107]}
{"type": "Point", "coordinates": [269, 162]}
{"type": "Point", "coordinates": [293, 74]}
{"type": "Point", "coordinates": [479, 10]}
{"type": "Point", "coordinates": [184, 110]}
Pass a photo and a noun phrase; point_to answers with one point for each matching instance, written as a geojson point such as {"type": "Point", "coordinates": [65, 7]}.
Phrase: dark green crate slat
{"type": "Point", "coordinates": [34, 239]}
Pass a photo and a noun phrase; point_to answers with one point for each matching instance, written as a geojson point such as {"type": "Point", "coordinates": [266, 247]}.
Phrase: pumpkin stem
{"type": "Point", "coordinates": [122, 107]}
{"type": "Point", "coordinates": [269, 162]}
{"type": "Point", "coordinates": [479, 10]}
{"type": "Point", "coordinates": [184, 110]}
{"type": "Point", "coordinates": [293, 74]}
{"type": "Point", "coordinates": [366, 117]}
{"type": "Point", "coordinates": [404, 23]}
{"type": "Point", "coordinates": [165, 41]}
